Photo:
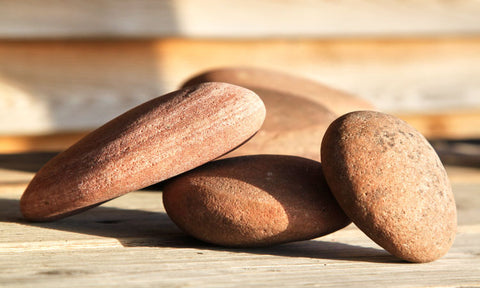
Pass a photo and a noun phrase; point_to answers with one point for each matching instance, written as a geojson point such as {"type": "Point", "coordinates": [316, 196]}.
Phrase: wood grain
{"type": "Point", "coordinates": [25, 19]}
{"type": "Point", "coordinates": [54, 86]}
{"type": "Point", "coordinates": [131, 242]}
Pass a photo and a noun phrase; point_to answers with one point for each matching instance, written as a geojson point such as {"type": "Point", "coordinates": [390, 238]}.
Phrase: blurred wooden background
{"type": "Point", "coordinates": [67, 67]}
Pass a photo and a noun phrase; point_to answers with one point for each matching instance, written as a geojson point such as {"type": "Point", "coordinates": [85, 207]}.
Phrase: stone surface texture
{"type": "Point", "coordinates": [255, 200]}
{"type": "Point", "coordinates": [150, 143]}
{"type": "Point", "coordinates": [299, 110]}
{"type": "Point", "coordinates": [391, 183]}
{"type": "Point", "coordinates": [293, 126]}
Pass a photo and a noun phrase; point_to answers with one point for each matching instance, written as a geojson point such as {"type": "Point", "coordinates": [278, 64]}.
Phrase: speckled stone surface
{"type": "Point", "coordinates": [391, 183]}
{"type": "Point", "coordinates": [254, 200]}
{"type": "Point", "coordinates": [150, 143]}
{"type": "Point", "coordinates": [339, 102]}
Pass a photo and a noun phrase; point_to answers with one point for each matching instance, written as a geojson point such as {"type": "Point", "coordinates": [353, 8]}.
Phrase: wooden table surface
{"type": "Point", "coordinates": [131, 242]}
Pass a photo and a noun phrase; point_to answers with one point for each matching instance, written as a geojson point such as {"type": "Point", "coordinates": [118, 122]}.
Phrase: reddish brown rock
{"type": "Point", "coordinates": [391, 183]}
{"type": "Point", "coordinates": [337, 101]}
{"type": "Point", "coordinates": [293, 126]}
{"type": "Point", "coordinates": [254, 200]}
{"type": "Point", "coordinates": [150, 143]}
{"type": "Point", "coordinates": [296, 117]}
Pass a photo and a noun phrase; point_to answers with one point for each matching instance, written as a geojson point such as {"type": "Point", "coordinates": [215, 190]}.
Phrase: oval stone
{"type": "Point", "coordinates": [293, 126]}
{"type": "Point", "coordinates": [391, 183]}
{"type": "Point", "coordinates": [255, 200]}
{"type": "Point", "coordinates": [150, 143]}
{"type": "Point", "coordinates": [296, 117]}
{"type": "Point", "coordinates": [339, 102]}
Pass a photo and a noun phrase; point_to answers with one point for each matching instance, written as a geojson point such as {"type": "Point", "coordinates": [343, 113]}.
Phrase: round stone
{"type": "Point", "coordinates": [391, 183]}
{"type": "Point", "coordinates": [148, 144]}
{"type": "Point", "coordinates": [255, 200]}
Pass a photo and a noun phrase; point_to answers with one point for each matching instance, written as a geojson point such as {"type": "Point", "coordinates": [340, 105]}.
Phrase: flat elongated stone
{"type": "Point", "coordinates": [391, 183]}
{"type": "Point", "coordinates": [254, 200]}
{"type": "Point", "coordinates": [150, 143]}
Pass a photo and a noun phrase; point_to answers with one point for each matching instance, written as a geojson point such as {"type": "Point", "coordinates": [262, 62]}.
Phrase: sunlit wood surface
{"type": "Point", "coordinates": [131, 242]}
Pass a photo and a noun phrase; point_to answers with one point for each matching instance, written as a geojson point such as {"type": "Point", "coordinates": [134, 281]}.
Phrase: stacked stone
{"type": "Point", "coordinates": [376, 170]}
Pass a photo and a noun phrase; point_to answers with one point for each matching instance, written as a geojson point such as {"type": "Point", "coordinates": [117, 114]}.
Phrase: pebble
{"type": "Point", "coordinates": [339, 102]}
{"type": "Point", "coordinates": [391, 183]}
{"type": "Point", "coordinates": [150, 143]}
{"type": "Point", "coordinates": [293, 126]}
{"type": "Point", "coordinates": [299, 110]}
{"type": "Point", "coordinates": [255, 200]}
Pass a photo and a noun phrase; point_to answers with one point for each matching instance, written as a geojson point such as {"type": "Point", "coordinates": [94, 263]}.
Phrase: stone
{"type": "Point", "coordinates": [299, 110]}
{"type": "Point", "coordinates": [152, 142]}
{"type": "Point", "coordinates": [391, 183]}
{"type": "Point", "coordinates": [293, 126]}
{"type": "Point", "coordinates": [339, 102]}
{"type": "Point", "coordinates": [255, 200]}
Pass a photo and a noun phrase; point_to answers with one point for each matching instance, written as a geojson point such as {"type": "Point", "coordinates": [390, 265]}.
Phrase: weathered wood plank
{"type": "Point", "coordinates": [48, 87]}
{"type": "Point", "coordinates": [211, 18]}
{"type": "Point", "coordinates": [131, 242]}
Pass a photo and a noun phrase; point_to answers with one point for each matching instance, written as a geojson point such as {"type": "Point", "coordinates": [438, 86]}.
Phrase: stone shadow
{"type": "Point", "coordinates": [137, 228]}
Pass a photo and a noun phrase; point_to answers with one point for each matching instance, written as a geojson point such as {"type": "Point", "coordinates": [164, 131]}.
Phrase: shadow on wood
{"type": "Point", "coordinates": [136, 228]}
{"type": "Point", "coordinates": [458, 152]}
{"type": "Point", "coordinates": [28, 162]}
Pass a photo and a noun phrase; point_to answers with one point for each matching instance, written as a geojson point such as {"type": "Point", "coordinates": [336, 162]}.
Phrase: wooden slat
{"type": "Point", "coordinates": [25, 19]}
{"type": "Point", "coordinates": [446, 125]}
{"type": "Point", "coordinates": [54, 86]}
{"type": "Point", "coordinates": [49, 142]}
{"type": "Point", "coordinates": [131, 242]}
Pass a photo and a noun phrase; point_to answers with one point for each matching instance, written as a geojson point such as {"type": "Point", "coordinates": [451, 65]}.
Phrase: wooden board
{"type": "Point", "coordinates": [26, 19]}
{"type": "Point", "coordinates": [54, 86]}
{"type": "Point", "coordinates": [42, 143]}
{"type": "Point", "coordinates": [131, 242]}
{"type": "Point", "coordinates": [447, 125]}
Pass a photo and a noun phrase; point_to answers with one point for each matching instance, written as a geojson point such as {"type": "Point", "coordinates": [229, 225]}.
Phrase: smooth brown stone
{"type": "Point", "coordinates": [150, 143]}
{"type": "Point", "coordinates": [294, 124]}
{"type": "Point", "coordinates": [339, 102]}
{"type": "Point", "coordinates": [391, 183]}
{"type": "Point", "coordinates": [255, 200]}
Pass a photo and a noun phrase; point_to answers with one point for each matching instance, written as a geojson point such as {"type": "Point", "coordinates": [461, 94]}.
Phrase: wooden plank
{"type": "Point", "coordinates": [54, 86]}
{"type": "Point", "coordinates": [54, 142]}
{"type": "Point", "coordinates": [25, 19]}
{"type": "Point", "coordinates": [446, 125]}
{"type": "Point", "coordinates": [466, 176]}
{"type": "Point", "coordinates": [131, 242]}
